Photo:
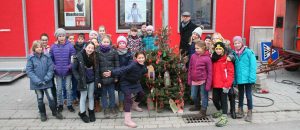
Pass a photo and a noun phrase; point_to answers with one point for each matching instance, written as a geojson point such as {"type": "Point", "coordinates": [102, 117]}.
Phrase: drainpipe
{"type": "Point", "coordinates": [244, 15]}
{"type": "Point", "coordinates": [25, 27]}
{"type": "Point", "coordinates": [165, 16]}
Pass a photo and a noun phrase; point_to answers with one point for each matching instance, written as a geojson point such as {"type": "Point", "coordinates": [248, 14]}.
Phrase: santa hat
{"type": "Point", "coordinates": [121, 39]}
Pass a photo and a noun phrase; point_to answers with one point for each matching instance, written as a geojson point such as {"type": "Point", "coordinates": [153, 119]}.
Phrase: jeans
{"type": "Point", "coordinates": [110, 90]}
{"type": "Point", "coordinates": [74, 89]}
{"type": "Point", "coordinates": [90, 93]}
{"type": "Point", "coordinates": [128, 101]}
{"type": "Point", "coordinates": [220, 100]}
{"type": "Point", "coordinates": [195, 90]}
{"type": "Point", "coordinates": [121, 96]}
{"type": "Point", "coordinates": [40, 99]}
{"type": "Point", "coordinates": [67, 80]}
{"type": "Point", "coordinates": [248, 89]}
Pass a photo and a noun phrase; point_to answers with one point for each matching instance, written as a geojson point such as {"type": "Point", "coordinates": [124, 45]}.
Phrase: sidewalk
{"type": "Point", "coordinates": [18, 109]}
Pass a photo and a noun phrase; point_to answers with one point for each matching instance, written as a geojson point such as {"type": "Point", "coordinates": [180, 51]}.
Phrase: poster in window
{"type": "Point", "coordinates": [135, 11]}
{"type": "Point", "coordinates": [72, 14]}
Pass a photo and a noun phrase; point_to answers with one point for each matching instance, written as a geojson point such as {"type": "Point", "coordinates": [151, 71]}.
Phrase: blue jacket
{"type": "Point", "coordinates": [39, 69]}
{"type": "Point", "coordinates": [130, 77]}
{"type": "Point", "coordinates": [149, 43]}
{"type": "Point", "coordinates": [61, 57]}
{"type": "Point", "coordinates": [245, 67]}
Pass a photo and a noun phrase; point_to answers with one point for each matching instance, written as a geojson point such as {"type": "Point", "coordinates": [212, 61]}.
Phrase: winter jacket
{"type": "Point", "coordinates": [149, 43]}
{"type": "Point", "coordinates": [61, 56]}
{"type": "Point", "coordinates": [79, 71]}
{"type": "Point", "coordinates": [245, 67]}
{"type": "Point", "coordinates": [223, 73]}
{"type": "Point", "coordinates": [125, 59]}
{"type": "Point", "coordinates": [130, 77]}
{"type": "Point", "coordinates": [134, 44]}
{"type": "Point", "coordinates": [185, 35]}
{"type": "Point", "coordinates": [200, 68]}
{"type": "Point", "coordinates": [108, 61]}
{"type": "Point", "coordinates": [39, 69]}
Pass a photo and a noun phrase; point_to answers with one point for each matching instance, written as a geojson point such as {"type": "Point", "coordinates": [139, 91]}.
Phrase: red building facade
{"type": "Point", "coordinates": [22, 21]}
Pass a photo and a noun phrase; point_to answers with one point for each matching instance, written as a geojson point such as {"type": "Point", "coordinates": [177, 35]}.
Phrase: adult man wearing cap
{"type": "Point", "coordinates": [186, 29]}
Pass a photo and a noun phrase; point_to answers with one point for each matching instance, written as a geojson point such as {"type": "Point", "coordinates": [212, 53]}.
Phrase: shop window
{"type": "Point", "coordinates": [74, 14]}
{"type": "Point", "coordinates": [133, 13]}
{"type": "Point", "coordinates": [202, 12]}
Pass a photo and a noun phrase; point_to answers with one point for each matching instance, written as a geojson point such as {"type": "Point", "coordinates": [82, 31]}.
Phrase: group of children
{"type": "Point", "coordinates": [94, 69]}
{"type": "Point", "coordinates": [89, 70]}
{"type": "Point", "coordinates": [214, 65]}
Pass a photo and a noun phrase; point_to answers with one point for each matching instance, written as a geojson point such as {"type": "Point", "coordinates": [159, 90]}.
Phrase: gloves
{"type": "Point", "coordinates": [225, 90]}
{"type": "Point", "coordinates": [42, 83]}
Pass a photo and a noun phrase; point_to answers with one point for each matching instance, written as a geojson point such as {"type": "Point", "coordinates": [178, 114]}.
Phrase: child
{"type": "Point", "coordinates": [109, 60]}
{"type": "Point", "coordinates": [71, 38]}
{"type": "Point", "coordinates": [44, 39]}
{"type": "Point", "coordinates": [102, 32]}
{"type": "Point", "coordinates": [80, 43]}
{"type": "Point", "coordinates": [134, 42]}
{"type": "Point", "coordinates": [149, 39]}
{"type": "Point", "coordinates": [223, 75]}
{"type": "Point", "coordinates": [209, 44]}
{"type": "Point", "coordinates": [217, 37]}
{"type": "Point", "coordinates": [199, 77]}
{"type": "Point", "coordinates": [93, 34]}
{"type": "Point", "coordinates": [125, 57]}
{"type": "Point", "coordinates": [130, 83]}
{"type": "Point", "coordinates": [61, 54]}
{"type": "Point", "coordinates": [143, 32]}
{"type": "Point", "coordinates": [86, 72]}
{"type": "Point", "coordinates": [245, 67]}
{"type": "Point", "coordinates": [231, 93]}
{"type": "Point", "coordinates": [39, 69]}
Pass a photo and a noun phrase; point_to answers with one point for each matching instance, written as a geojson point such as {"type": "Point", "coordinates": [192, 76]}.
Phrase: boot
{"type": "Point", "coordinates": [121, 106]}
{"type": "Point", "coordinates": [240, 113]}
{"type": "Point", "coordinates": [84, 117]}
{"type": "Point", "coordinates": [56, 113]}
{"type": "Point", "coordinates": [201, 115]}
{"type": "Point", "coordinates": [92, 116]}
{"type": "Point", "coordinates": [194, 108]}
{"type": "Point", "coordinates": [128, 122]}
{"type": "Point", "coordinates": [97, 106]}
{"type": "Point", "coordinates": [248, 118]}
{"type": "Point", "coordinates": [135, 106]}
{"type": "Point", "coordinates": [233, 114]}
{"type": "Point", "coordinates": [42, 110]}
{"type": "Point", "coordinates": [60, 108]}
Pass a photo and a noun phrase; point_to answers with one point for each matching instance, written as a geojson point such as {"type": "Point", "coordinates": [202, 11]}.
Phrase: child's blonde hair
{"type": "Point", "coordinates": [217, 34]}
{"type": "Point", "coordinates": [35, 44]}
{"type": "Point", "coordinates": [200, 43]}
{"type": "Point", "coordinates": [107, 37]}
{"type": "Point", "coordinates": [102, 26]}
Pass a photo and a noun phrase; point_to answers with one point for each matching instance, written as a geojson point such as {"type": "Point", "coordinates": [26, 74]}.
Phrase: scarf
{"type": "Point", "coordinates": [240, 51]}
{"type": "Point", "coordinates": [105, 49]}
{"type": "Point", "coordinates": [122, 51]}
{"type": "Point", "coordinates": [88, 61]}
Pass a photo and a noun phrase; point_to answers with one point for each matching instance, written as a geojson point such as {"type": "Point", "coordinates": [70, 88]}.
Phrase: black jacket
{"type": "Point", "coordinates": [185, 35]}
{"type": "Point", "coordinates": [79, 72]}
{"type": "Point", "coordinates": [108, 61]}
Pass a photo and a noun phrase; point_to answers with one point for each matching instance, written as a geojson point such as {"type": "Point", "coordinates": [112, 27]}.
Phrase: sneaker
{"type": "Point", "coordinates": [106, 113]}
{"type": "Point", "coordinates": [60, 108]}
{"type": "Point", "coordinates": [58, 115]}
{"type": "Point", "coordinates": [71, 109]}
{"type": "Point", "coordinates": [223, 121]}
{"type": "Point", "coordinates": [217, 114]}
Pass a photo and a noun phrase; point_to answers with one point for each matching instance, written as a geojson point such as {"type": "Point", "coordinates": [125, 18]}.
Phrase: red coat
{"type": "Point", "coordinates": [221, 68]}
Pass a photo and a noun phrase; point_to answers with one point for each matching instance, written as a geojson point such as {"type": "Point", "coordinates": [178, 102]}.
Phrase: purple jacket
{"type": "Point", "coordinates": [200, 68]}
{"type": "Point", "coordinates": [61, 57]}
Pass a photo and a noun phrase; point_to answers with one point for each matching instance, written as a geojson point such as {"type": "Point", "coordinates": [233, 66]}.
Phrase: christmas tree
{"type": "Point", "coordinates": [166, 76]}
